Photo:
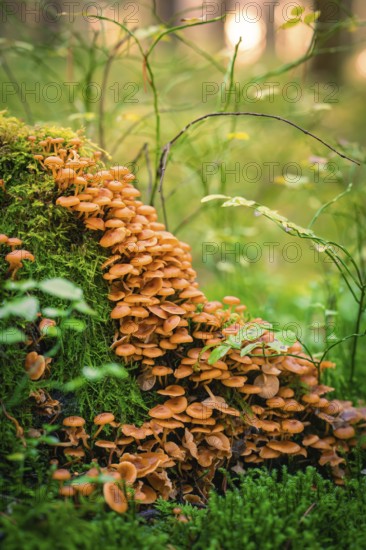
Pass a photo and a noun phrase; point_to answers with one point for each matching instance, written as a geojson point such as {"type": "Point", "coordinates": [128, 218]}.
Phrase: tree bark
{"type": "Point", "coordinates": [329, 66]}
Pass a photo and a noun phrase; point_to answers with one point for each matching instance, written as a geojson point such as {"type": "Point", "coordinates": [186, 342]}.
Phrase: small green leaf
{"type": "Point", "coordinates": [26, 308]}
{"type": "Point", "coordinates": [311, 17]}
{"type": "Point", "coordinates": [277, 346]}
{"type": "Point", "coordinates": [74, 384]}
{"type": "Point", "coordinates": [214, 197]}
{"type": "Point", "coordinates": [50, 331]}
{"type": "Point", "coordinates": [234, 341]}
{"type": "Point", "coordinates": [297, 11]}
{"type": "Point", "coordinates": [217, 353]}
{"type": "Point", "coordinates": [16, 457]}
{"type": "Point", "coordinates": [238, 201]}
{"type": "Point", "coordinates": [113, 369]}
{"type": "Point", "coordinates": [250, 347]}
{"type": "Point", "coordinates": [12, 336]}
{"type": "Point", "coordinates": [22, 286]}
{"type": "Point", "coordinates": [191, 19]}
{"type": "Point", "coordinates": [92, 373]}
{"type": "Point", "coordinates": [83, 307]}
{"type": "Point", "coordinates": [271, 214]}
{"type": "Point", "coordinates": [61, 288]}
{"type": "Point", "coordinates": [73, 324]}
{"type": "Point", "coordinates": [53, 312]}
{"type": "Point", "coordinates": [291, 23]}
{"type": "Point", "coordinates": [50, 440]}
{"type": "Point", "coordinates": [287, 226]}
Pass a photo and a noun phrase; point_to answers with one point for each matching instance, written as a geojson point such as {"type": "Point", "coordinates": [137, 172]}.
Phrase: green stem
{"type": "Point", "coordinates": [355, 340]}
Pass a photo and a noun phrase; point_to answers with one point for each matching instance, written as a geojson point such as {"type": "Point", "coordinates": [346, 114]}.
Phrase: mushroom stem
{"type": "Point", "coordinates": [158, 439]}
{"type": "Point", "coordinates": [98, 431]}
{"type": "Point", "coordinates": [110, 456]}
{"type": "Point", "coordinates": [209, 392]}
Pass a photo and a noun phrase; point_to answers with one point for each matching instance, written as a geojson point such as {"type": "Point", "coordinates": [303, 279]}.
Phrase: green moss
{"type": "Point", "coordinates": [270, 511]}
{"type": "Point", "coordinates": [62, 248]}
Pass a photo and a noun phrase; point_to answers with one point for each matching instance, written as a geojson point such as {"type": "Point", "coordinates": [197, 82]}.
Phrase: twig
{"type": "Point", "coordinates": [329, 203]}
{"type": "Point", "coordinates": [166, 149]}
{"type": "Point", "coordinates": [230, 74]}
{"type": "Point", "coordinates": [311, 507]}
{"type": "Point", "coordinates": [355, 340]}
{"type": "Point", "coordinates": [145, 151]}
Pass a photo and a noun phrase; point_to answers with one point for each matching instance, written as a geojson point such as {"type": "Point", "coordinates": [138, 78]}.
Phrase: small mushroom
{"type": "Point", "coordinates": [284, 447]}
{"type": "Point", "coordinates": [15, 260]}
{"type": "Point", "coordinates": [13, 242]}
{"type": "Point", "coordinates": [54, 163]}
{"type": "Point", "coordinates": [114, 497]}
{"type": "Point", "coordinates": [35, 365]}
{"type": "Point", "coordinates": [128, 471]}
{"type": "Point", "coordinates": [68, 202]}
{"type": "Point", "coordinates": [102, 420]}
{"type": "Point", "coordinates": [269, 385]}
{"type": "Point", "coordinates": [61, 475]}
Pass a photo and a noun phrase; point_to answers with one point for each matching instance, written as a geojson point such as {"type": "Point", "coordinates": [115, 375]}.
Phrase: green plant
{"type": "Point", "coordinates": [349, 265]}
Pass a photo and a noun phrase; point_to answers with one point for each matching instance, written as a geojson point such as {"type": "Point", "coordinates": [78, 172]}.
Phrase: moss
{"type": "Point", "coordinates": [270, 511]}
{"type": "Point", "coordinates": [62, 249]}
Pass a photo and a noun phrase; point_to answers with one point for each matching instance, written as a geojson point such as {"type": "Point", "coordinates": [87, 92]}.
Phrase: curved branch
{"type": "Point", "coordinates": [166, 149]}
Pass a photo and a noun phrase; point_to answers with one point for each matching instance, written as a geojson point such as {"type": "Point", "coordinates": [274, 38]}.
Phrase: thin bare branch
{"type": "Point", "coordinates": [166, 149]}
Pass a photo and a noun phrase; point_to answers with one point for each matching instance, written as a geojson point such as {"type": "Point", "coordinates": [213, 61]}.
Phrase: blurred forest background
{"type": "Point", "coordinates": [120, 70]}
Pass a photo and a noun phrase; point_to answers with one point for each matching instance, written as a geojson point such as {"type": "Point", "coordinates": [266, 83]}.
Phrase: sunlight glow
{"type": "Point", "coordinates": [361, 63]}
{"type": "Point", "coordinates": [252, 33]}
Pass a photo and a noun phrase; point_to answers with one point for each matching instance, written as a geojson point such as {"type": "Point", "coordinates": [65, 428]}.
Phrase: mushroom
{"type": "Point", "coordinates": [199, 411]}
{"type": "Point", "coordinates": [74, 421]}
{"type": "Point", "coordinates": [68, 202]}
{"type": "Point", "coordinates": [66, 491]}
{"type": "Point", "coordinates": [172, 391]}
{"type": "Point", "coordinates": [128, 471]}
{"type": "Point", "coordinates": [177, 404]}
{"type": "Point", "coordinates": [102, 420]}
{"type": "Point", "coordinates": [35, 365]}
{"type": "Point", "coordinates": [269, 385]}
{"type": "Point", "coordinates": [64, 177]}
{"type": "Point", "coordinates": [344, 432]}
{"type": "Point", "coordinates": [61, 475]}
{"type": "Point", "coordinates": [54, 163]}
{"type": "Point", "coordinates": [160, 412]}
{"type": "Point", "coordinates": [125, 350]}
{"type": "Point", "coordinates": [292, 426]}
{"type": "Point", "coordinates": [15, 260]}
{"type": "Point", "coordinates": [284, 447]}
{"type": "Point", "coordinates": [113, 237]}
{"type": "Point", "coordinates": [231, 300]}
{"type": "Point", "coordinates": [114, 497]}
{"type": "Point", "coordinates": [13, 242]}
{"type": "Point", "coordinates": [149, 494]}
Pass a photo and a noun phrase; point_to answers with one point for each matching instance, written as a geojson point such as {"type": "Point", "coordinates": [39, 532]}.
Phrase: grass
{"type": "Point", "coordinates": [267, 510]}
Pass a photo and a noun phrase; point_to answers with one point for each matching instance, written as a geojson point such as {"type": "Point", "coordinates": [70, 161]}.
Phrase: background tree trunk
{"type": "Point", "coordinates": [329, 66]}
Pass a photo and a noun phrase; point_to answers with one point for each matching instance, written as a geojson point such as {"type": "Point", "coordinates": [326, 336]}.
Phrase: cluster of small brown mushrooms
{"type": "Point", "coordinates": [234, 412]}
